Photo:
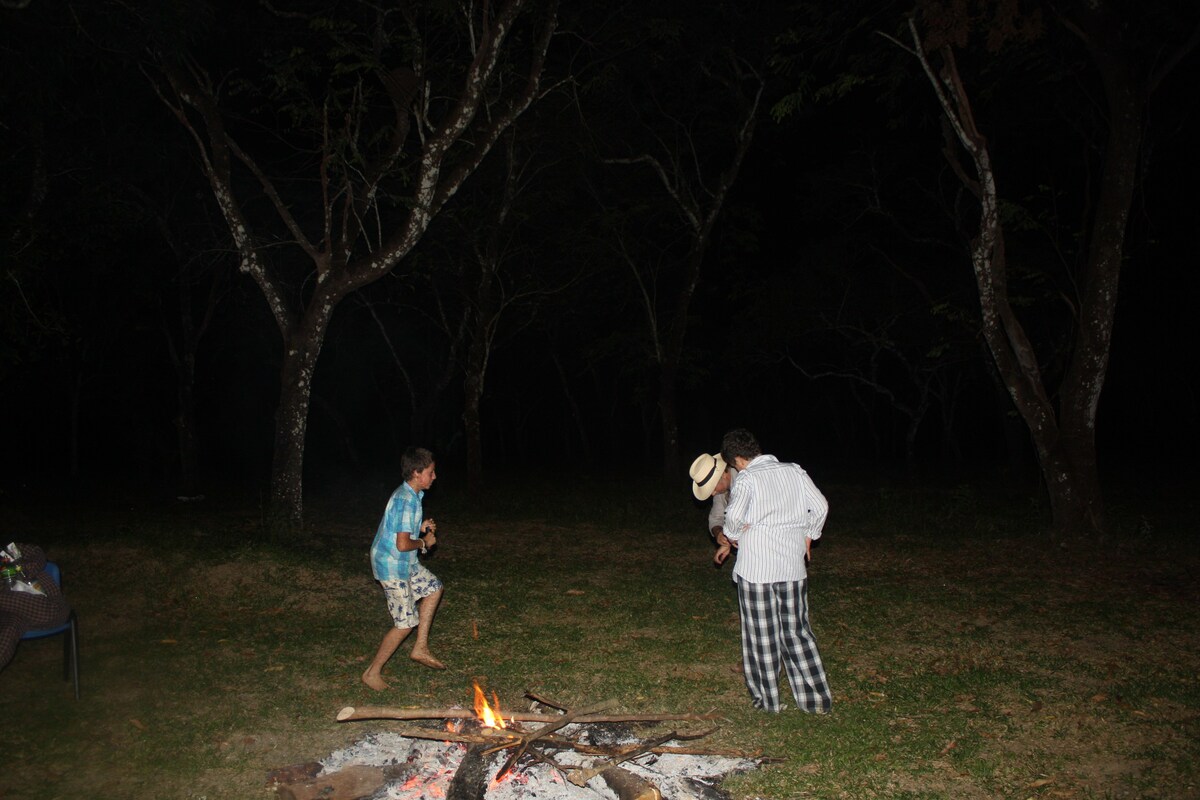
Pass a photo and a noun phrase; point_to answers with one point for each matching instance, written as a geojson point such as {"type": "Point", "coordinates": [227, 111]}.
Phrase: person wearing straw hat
{"type": "Point", "coordinates": [774, 513]}
{"type": "Point", "coordinates": [711, 477]}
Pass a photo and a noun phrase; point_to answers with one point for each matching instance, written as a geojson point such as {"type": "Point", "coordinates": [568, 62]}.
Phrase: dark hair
{"type": "Point", "coordinates": [739, 442]}
{"type": "Point", "coordinates": [415, 459]}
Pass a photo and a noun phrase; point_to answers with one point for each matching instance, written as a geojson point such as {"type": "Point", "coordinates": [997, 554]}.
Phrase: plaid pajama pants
{"type": "Point", "coordinates": [774, 628]}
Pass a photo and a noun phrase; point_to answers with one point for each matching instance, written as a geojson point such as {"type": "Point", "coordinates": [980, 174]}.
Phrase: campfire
{"type": "Point", "coordinates": [549, 753]}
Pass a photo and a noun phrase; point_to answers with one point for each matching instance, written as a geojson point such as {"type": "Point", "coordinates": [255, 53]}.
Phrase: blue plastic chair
{"type": "Point", "coordinates": [70, 628]}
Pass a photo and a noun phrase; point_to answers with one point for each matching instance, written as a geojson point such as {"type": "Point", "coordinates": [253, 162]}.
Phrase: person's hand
{"type": "Point", "coordinates": [722, 553]}
{"type": "Point", "coordinates": [429, 526]}
{"type": "Point", "coordinates": [430, 538]}
{"type": "Point", "coordinates": [807, 549]}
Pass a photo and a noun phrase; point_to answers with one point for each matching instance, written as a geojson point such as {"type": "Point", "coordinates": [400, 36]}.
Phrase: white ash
{"type": "Point", "coordinates": [433, 764]}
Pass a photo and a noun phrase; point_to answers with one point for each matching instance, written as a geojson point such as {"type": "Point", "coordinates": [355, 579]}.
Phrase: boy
{"type": "Point", "coordinates": [412, 591]}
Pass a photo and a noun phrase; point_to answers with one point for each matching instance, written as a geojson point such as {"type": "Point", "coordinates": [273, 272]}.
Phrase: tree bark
{"type": "Point", "coordinates": [301, 347]}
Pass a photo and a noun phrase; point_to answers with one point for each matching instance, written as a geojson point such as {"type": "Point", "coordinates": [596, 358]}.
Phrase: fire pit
{"type": "Point", "coordinates": [550, 754]}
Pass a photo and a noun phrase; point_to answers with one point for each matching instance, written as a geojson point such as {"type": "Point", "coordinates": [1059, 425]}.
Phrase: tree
{"type": "Point", "coordinates": [690, 134]}
{"type": "Point", "coordinates": [379, 120]}
{"type": "Point", "coordinates": [200, 279]}
{"type": "Point", "coordinates": [1063, 432]}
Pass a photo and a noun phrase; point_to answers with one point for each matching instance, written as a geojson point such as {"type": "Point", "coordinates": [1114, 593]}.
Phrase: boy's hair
{"type": "Point", "coordinates": [415, 459]}
{"type": "Point", "coordinates": [739, 442]}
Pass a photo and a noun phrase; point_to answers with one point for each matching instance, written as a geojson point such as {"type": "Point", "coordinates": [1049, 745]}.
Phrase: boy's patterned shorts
{"type": "Point", "coordinates": [402, 596]}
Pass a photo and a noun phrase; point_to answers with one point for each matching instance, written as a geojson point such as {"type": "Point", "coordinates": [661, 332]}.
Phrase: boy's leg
{"type": "Point", "coordinates": [401, 603]}
{"type": "Point", "coordinates": [426, 607]}
{"type": "Point", "coordinates": [391, 640]}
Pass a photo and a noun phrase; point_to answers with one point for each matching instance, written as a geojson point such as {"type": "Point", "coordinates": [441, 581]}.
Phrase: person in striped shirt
{"type": "Point", "coordinates": [774, 513]}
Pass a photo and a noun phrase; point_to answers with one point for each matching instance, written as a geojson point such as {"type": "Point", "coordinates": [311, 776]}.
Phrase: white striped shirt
{"type": "Point", "coordinates": [773, 508]}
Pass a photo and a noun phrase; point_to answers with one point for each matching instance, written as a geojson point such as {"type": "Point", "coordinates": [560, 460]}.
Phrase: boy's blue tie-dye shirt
{"type": "Point", "coordinates": [403, 513]}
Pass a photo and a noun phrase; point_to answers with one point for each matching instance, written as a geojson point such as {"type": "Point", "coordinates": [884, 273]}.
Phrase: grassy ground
{"type": "Point", "coordinates": [968, 658]}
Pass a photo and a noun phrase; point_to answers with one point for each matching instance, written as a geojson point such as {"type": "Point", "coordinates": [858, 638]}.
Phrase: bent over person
{"type": "Point", "coordinates": [774, 513]}
{"type": "Point", "coordinates": [711, 477]}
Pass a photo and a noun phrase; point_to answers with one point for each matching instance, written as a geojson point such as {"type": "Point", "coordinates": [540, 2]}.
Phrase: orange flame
{"type": "Point", "coordinates": [489, 718]}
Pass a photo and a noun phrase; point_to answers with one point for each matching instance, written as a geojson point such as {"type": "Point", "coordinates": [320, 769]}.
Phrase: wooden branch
{"type": "Point", "coordinates": [457, 736]}
{"type": "Point", "coordinates": [281, 208]}
{"type": "Point", "coordinates": [628, 786]}
{"type": "Point", "coordinates": [354, 713]}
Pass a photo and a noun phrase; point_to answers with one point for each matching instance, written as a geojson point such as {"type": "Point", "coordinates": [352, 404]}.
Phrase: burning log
{"type": "Point", "coordinates": [470, 781]}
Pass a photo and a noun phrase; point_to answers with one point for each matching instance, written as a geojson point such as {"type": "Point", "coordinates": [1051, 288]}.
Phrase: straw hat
{"type": "Point", "coordinates": [706, 471]}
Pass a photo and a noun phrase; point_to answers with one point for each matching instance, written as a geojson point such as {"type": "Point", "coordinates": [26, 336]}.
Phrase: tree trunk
{"type": "Point", "coordinates": [186, 425]}
{"type": "Point", "coordinates": [576, 416]}
{"type": "Point", "coordinates": [473, 390]}
{"type": "Point", "coordinates": [301, 347]}
{"type": "Point", "coordinates": [1065, 442]}
{"type": "Point", "coordinates": [668, 407]}
{"type": "Point", "coordinates": [1073, 484]}
{"type": "Point", "coordinates": [1079, 510]}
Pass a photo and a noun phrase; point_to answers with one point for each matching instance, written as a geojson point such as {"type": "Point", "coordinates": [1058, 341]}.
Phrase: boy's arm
{"type": "Point", "coordinates": [405, 542]}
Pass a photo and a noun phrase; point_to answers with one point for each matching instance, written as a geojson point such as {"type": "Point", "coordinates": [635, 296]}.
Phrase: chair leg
{"type": "Point", "coordinates": [71, 654]}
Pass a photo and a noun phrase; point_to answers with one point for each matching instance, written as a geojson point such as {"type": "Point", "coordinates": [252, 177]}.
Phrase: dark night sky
{"type": "Point", "coordinates": [86, 308]}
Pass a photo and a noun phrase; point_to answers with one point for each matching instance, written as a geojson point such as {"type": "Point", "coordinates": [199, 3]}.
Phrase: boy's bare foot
{"type": "Point", "coordinates": [423, 657]}
{"type": "Point", "coordinates": [374, 681]}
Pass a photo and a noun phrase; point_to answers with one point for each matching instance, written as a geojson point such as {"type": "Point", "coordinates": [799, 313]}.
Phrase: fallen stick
{"type": "Point", "coordinates": [628, 786]}
{"type": "Point", "coordinates": [352, 713]}
{"type": "Point", "coordinates": [464, 738]}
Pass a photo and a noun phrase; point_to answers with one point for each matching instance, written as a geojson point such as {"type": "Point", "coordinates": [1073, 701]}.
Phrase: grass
{"type": "Point", "coordinates": [968, 658]}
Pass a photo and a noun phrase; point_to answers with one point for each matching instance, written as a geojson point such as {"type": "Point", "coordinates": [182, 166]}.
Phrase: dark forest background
{"type": "Point", "coordinates": [834, 309]}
